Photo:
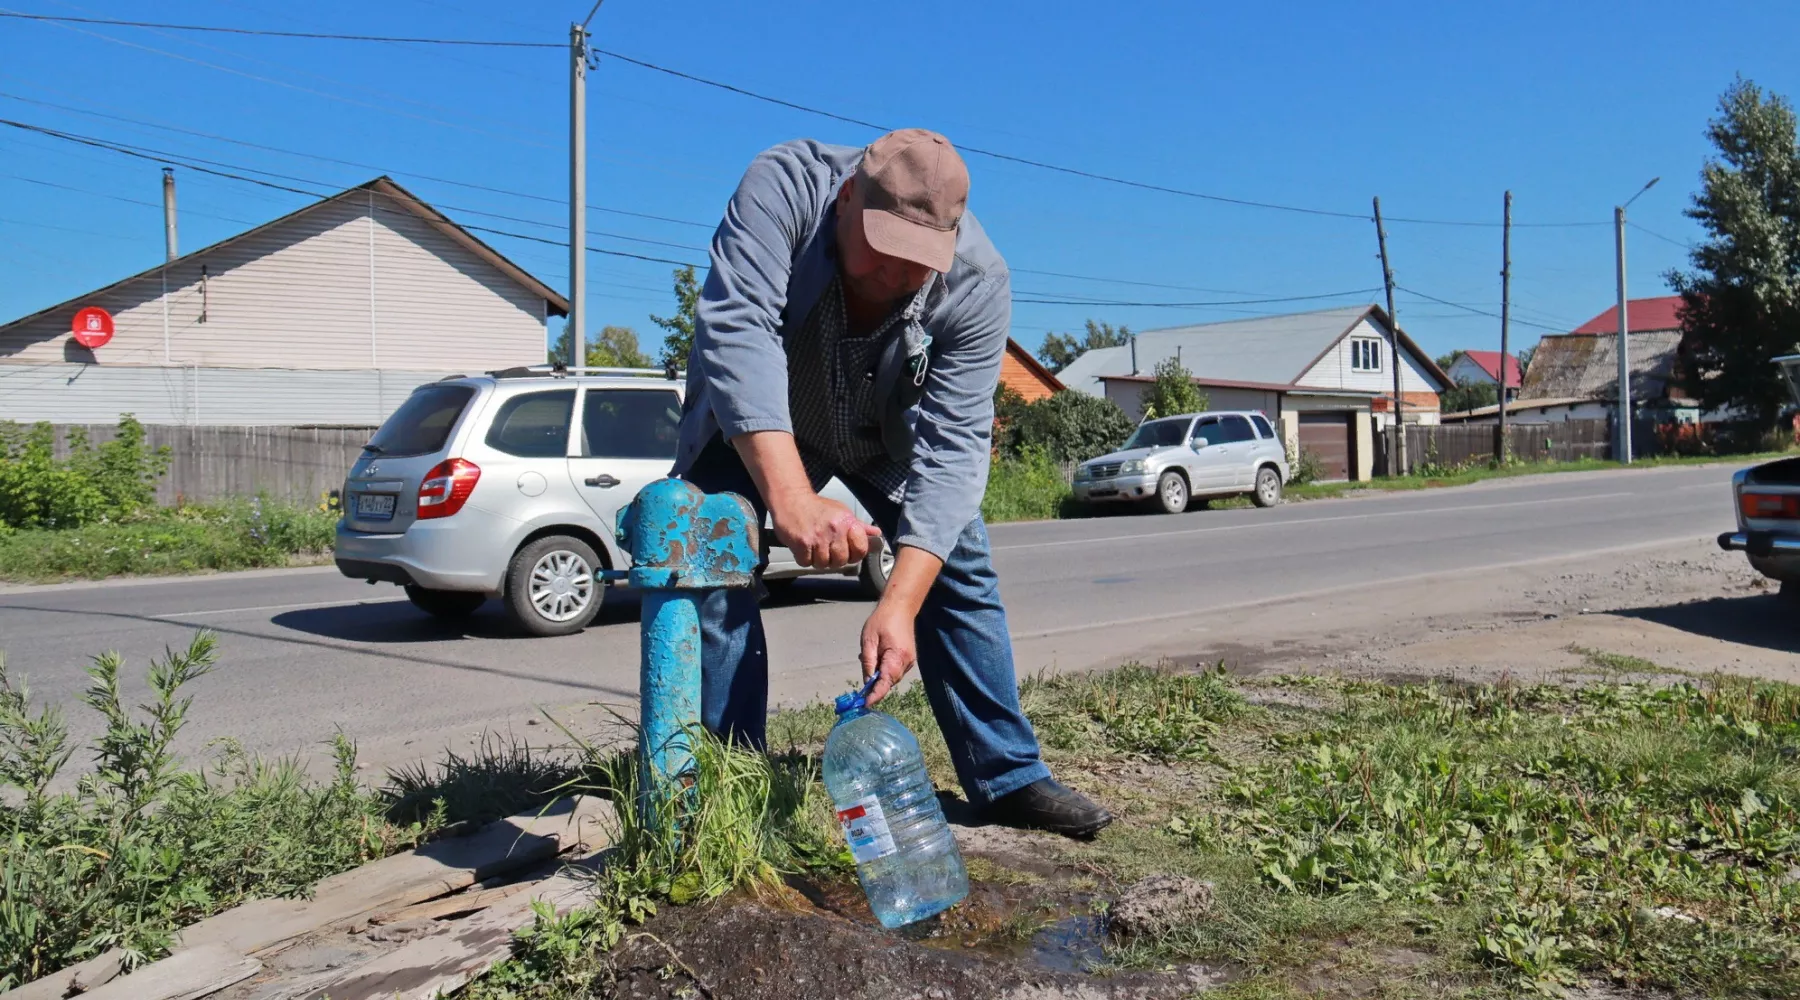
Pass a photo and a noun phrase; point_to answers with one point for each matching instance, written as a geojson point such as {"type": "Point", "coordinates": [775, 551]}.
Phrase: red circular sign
{"type": "Point", "coordinates": [93, 327]}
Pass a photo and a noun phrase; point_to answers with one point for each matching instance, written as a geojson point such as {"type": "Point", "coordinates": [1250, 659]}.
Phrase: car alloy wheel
{"type": "Point", "coordinates": [1172, 493]}
{"type": "Point", "coordinates": [1268, 487]}
{"type": "Point", "coordinates": [562, 585]}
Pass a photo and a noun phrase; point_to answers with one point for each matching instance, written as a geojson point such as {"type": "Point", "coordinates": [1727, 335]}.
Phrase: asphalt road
{"type": "Point", "coordinates": [305, 652]}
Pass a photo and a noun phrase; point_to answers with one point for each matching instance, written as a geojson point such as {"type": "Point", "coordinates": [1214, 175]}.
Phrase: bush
{"type": "Point", "coordinates": [1029, 488]}
{"type": "Point", "coordinates": [1069, 426]}
{"type": "Point", "coordinates": [141, 847]}
{"type": "Point", "coordinates": [112, 480]}
{"type": "Point", "coordinates": [1174, 392]}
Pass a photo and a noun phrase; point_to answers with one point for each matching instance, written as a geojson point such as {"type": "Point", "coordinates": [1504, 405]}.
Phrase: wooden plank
{"type": "Point", "coordinates": [80, 978]}
{"type": "Point", "coordinates": [459, 951]}
{"type": "Point", "coordinates": [462, 902]}
{"type": "Point", "coordinates": [185, 975]}
{"type": "Point", "coordinates": [433, 870]}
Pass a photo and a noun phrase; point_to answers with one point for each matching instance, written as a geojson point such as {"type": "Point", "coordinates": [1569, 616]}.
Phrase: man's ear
{"type": "Point", "coordinates": [846, 192]}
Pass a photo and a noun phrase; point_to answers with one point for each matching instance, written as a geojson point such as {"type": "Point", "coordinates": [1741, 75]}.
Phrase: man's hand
{"type": "Point", "coordinates": [889, 648]}
{"type": "Point", "coordinates": [821, 532]}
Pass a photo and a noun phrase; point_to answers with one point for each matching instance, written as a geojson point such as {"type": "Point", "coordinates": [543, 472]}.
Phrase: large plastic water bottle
{"type": "Point", "coordinates": [906, 856]}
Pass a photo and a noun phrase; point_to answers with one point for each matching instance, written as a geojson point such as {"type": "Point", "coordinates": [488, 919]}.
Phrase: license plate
{"type": "Point", "coordinates": [378, 506]}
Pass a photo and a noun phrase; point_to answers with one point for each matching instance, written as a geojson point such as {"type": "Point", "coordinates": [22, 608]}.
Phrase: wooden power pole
{"type": "Point", "coordinates": [1500, 448]}
{"type": "Point", "coordinates": [1397, 463]}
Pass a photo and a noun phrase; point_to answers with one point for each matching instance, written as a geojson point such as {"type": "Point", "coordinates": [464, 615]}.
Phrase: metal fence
{"type": "Point", "coordinates": [293, 464]}
{"type": "Point", "coordinates": [1456, 444]}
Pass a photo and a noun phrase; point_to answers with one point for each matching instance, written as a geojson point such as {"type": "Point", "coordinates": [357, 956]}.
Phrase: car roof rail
{"type": "Point", "coordinates": [669, 372]}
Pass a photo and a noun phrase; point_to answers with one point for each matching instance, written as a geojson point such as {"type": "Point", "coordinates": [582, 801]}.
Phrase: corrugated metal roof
{"type": "Point", "coordinates": [1660, 313]}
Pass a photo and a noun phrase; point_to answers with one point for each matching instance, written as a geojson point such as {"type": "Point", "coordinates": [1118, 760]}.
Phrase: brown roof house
{"type": "Point", "coordinates": [330, 314]}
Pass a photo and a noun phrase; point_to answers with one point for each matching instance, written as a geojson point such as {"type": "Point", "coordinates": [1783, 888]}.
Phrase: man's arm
{"type": "Point", "coordinates": [819, 531]}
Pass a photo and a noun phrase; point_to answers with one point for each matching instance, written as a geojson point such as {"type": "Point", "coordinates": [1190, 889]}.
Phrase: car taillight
{"type": "Point", "coordinates": [447, 487]}
{"type": "Point", "coordinates": [1779, 505]}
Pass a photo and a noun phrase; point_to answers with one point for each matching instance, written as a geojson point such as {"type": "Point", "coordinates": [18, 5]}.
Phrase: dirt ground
{"type": "Point", "coordinates": [1035, 926]}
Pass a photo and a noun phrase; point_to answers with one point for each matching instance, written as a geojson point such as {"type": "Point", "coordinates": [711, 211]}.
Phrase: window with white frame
{"type": "Point", "coordinates": [1365, 355]}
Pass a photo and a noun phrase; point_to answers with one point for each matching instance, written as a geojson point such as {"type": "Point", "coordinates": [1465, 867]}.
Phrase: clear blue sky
{"type": "Point", "coordinates": [1436, 107]}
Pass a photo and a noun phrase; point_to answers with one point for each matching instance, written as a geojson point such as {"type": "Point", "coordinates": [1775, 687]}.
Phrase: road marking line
{"type": "Point", "coordinates": [274, 607]}
{"type": "Point", "coordinates": [1304, 595]}
{"type": "Point", "coordinates": [1159, 535]}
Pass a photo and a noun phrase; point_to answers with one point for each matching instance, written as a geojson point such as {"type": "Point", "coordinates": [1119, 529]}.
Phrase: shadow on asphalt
{"type": "Point", "coordinates": [399, 623]}
{"type": "Point", "coordinates": [1765, 620]}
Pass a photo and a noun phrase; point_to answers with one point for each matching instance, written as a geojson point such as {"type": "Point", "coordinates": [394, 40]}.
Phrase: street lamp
{"type": "Point", "coordinates": [1624, 414]}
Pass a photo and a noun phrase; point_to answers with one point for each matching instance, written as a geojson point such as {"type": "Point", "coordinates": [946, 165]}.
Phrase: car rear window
{"type": "Point", "coordinates": [1237, 429]}
{"type": "Point", "coordinates": [423, 423]}
{"type": "Point", "coordinates": [630, 423]}
{"type": "Point", "coordinates": [1262, 427]}
{"type": "Point", "coordinates": [533, 424]}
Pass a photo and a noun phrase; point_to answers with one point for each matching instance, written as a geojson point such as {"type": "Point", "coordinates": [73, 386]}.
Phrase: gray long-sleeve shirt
{"type": "Point", "coordinates": [772, 257]}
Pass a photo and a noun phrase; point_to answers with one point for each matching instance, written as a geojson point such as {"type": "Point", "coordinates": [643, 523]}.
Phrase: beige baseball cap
{"type": "Point", "coordinates": [914, 188]}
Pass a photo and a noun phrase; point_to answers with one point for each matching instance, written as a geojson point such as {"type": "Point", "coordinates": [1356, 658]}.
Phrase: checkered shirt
{"type": "Point", "coordinates": [832, 404]}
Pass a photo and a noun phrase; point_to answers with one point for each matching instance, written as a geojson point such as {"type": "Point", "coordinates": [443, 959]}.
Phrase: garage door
{"type": "Point", "coordinates": [1327, 436]}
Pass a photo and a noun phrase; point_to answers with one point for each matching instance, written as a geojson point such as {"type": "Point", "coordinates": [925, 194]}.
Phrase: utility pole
{"type": "Point", "coordinates": [1505, 318]}
{"type": "Point", "coordinates": [1624, 414]}
{"type": "Point", "coordinates": [578, 58]}
{"type": "Point", "coordinates": [169, 252]}
{"type": "Point", "coordinates": [1398, 463]}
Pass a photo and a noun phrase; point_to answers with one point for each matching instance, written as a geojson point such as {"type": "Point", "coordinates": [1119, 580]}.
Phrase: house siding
{"type": "Point", "coordinates": [1333, 371]}
{"type": "Point", "coordinates": [356, 282]}
{"type": "Point", "coordinates": [1468, 371]}
{"type": "Point", "coordinates": [98, 394]}
{"type": "Point", "coordinates": [1021, 379]}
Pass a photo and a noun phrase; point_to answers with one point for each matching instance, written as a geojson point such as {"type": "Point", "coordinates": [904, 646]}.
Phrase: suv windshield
{"type": "Point", "coordinates": [1792, 367]}
{"type": "Point", "coordinates": [422, 424]}
{"type": "Point", "coordinates": [1158, 434]}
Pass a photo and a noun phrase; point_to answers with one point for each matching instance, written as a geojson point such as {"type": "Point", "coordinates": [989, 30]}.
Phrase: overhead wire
{"type": "Point", "coordinates": [1021, 297]}
{"type": "Point", "coordinates": [1666, 239]}
{"type": "Point", "coordinates": [792, 105]}
{"type": "Point", "coordinates": [1476, 311]}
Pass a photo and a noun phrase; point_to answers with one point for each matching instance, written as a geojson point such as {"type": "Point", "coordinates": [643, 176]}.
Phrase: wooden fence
{"type": "Point", "coordinates": [293, 464]}
{"type": "Point", "coordinates": [1455, 444]}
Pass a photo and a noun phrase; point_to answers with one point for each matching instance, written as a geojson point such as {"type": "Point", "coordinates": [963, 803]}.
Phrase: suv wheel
{"type": "Point", "coordinates": [1171, 493]}
{"type": "Point", "coordinates": [445, 603]}
{"type": "Point", "coordinates": [1268, 487]}
{"type": "Point", "coordinates": [552, 587]}
{"type": "Point", "coordinates": [876, 569]}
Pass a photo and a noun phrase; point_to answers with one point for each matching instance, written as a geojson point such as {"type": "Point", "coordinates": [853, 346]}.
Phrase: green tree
{"type": "Point", "coordinates": [1741, 298]}
{"type": "Point", "coordinates": [1173, 391]}
{"type": "Point", "coordinates": [1525, 357]}
{"type": "Point", "coordinates": [615, 347]}
{"type": "Point", "coordinates": [1468, 395]}
{"type": "Point", "coordinates": [1068, 427]}
{"type": "Point", "coordinates": [1444, 361]}
{"type": "Point", "coordinates": [1061, 348]}
{"type": "Point", "coordinates": [679, 342]}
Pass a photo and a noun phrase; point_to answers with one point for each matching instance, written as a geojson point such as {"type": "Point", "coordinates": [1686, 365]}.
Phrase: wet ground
{"type": "Point", "coordinates": [1028, 930]}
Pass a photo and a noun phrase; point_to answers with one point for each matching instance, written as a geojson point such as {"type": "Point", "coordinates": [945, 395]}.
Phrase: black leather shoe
{"type": "Point", "coordinates": [1046, 805]}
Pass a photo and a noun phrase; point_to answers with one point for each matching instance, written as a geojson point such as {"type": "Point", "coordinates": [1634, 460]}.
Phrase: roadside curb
{"type": "Point", "coordinates": [151, 581]}
{"type": "Point", "coordinates": [417, 923]}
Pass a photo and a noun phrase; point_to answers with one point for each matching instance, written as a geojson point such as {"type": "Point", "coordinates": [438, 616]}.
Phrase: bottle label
{"type": "Point", "coordinates": [866, 830]}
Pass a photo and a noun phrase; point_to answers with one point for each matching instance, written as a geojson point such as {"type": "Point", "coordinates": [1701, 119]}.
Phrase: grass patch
{"type": "Point", "coordinates": [194, 538]}
{"type": "Point", "coordinates": [756, 818]}
{"type": "Point", "coordinates": [1028, 488]}
{"type": "Point", "coordinates": [1463, 476]}
{"type": "Point", "coordinates": [1537, 836]}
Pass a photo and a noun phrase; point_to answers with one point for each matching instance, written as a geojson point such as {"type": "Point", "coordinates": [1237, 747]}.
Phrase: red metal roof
{"type": "Point", "coordinates": [1662, 313]}
{"type": "Point", "coordinates": [1490, 363]}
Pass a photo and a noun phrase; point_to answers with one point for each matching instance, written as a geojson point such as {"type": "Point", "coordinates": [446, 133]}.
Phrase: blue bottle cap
{"type": "Point", "coordinates": [847, 703]}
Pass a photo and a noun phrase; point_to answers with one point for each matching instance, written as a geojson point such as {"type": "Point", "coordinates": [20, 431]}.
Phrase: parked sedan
{"type": "Point", "coordinates": [1768, 511]}
{"type": "Point", "coordinates": [1167, 462]}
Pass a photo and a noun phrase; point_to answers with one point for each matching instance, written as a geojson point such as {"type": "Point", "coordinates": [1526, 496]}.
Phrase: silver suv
{"type": "Point", "coordinates": [509, 485]}
{"type": "Point", "coordinates": [1167, 462]}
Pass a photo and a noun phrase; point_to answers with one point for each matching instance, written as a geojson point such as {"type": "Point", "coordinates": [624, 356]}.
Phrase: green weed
{"type": "Point", "coordinates": [232, 535]}
{"type": "Point", "coordinates": [141, 846]}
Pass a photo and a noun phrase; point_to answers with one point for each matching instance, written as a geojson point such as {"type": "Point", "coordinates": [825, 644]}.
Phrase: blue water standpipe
{"type": "Point", "coordinates": [683, 544]}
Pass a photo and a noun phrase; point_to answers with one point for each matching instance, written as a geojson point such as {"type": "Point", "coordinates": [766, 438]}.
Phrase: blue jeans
{"type": "Point", "coordinates": [965, 650]}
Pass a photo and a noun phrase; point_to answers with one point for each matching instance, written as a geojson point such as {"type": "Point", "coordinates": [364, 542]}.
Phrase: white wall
{"type": "Point", "coordinates": [1333, 371]}
{"type": "Point", "coordinates": [354, 283]}
{"type": "Point", "coordinates": [98, 394]}
{"type": "Point", "coordinates": [1130, 397]}
{"type": "Point", "coordinates": [1468, 371]}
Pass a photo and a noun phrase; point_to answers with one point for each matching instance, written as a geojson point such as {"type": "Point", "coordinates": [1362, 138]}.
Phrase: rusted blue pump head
{"type": "Point", "coordinates": [683, 544]}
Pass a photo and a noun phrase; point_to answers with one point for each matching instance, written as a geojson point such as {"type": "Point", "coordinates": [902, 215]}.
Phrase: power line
{"type": "Point", "coordinates": [318, 35]}
{"type": "Point", "coordinates": [1665, 239]}
{"type": "Point", "coordinates": [1189, 305]}
{"type": "Point", "coordinates": [795, 106]}
{"type": "Point", "coordinates": [350, 163]}
{"type": "Point", "coordinates": [1478, 312]}
{"type": "Point", "coordinates": [120, 198]}
{"type": "Point", "coordinates": [181, 162]}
